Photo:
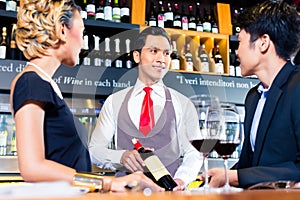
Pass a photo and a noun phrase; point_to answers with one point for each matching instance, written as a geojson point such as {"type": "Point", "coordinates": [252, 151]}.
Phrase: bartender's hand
{"type": "Point", "coordinates": [180, 184]}
{"type": "Point", "coordinates": [132, 160]}
{"type": "Point", "coordinates": [217, 177]}
{"type": "Point", "coordinates": [136, 181]}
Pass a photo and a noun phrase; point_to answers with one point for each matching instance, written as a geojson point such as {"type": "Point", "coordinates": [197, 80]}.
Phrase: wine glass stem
{"type": "Point", "coordinates": [226, 173]}
{"type": "Point", "coordinates": [205, 162]}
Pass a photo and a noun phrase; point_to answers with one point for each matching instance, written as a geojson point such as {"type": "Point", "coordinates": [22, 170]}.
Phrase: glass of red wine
{"type": "Point", "coordinates": [211, 125]}
{"type": "Point", "coordinates": [229, 140]}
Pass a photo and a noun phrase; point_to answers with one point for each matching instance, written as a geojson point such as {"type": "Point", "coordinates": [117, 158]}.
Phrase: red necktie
{"type": "Point", "coordinates": [147, 114]}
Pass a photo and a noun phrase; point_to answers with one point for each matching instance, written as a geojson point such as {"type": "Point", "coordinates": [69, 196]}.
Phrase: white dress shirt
{"type": "Point", "coordinates": [187, 126]}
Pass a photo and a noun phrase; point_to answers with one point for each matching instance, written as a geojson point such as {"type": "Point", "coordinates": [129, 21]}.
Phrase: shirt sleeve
{"type": "Point", "coordinates": [31, 87]}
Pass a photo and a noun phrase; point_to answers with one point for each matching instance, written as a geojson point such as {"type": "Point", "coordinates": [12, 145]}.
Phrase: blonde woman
{"type": "Point", "coordinates": [50, 141]}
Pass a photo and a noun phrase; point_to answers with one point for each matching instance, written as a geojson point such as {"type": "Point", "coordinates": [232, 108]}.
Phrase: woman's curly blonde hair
{"type": "Point", "coordinates": [38, 25]}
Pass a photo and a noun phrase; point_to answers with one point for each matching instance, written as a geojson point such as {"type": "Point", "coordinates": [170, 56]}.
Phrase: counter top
{"type": "Point", "coordinates": [245, 195]}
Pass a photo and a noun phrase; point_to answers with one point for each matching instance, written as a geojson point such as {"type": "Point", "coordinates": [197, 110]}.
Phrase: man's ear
{"type": "Point", "coordinates": [136, 57]}
{"type": "Point", "coordinates": [264, 43]}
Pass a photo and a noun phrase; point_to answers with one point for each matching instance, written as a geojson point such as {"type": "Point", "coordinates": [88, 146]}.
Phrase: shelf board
{"type": "Point", "coordinates": [10, 14]}
{"type": "Point", "coordinates": [107, 24]}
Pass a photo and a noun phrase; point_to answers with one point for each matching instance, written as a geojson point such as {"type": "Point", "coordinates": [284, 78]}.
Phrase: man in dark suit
{"type": "Point", "coordinates": [271, 149]}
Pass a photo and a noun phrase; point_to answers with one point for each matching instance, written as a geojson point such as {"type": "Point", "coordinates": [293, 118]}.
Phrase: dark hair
{"type": "Point", "coordinates": [277, 19]}
{"type": "Point", "coordinates": [141, 40]}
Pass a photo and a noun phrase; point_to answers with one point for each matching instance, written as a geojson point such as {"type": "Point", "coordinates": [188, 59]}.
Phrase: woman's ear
{"type": "Point", "coordinates": [136, 56]}
{"type": "Point", "coordinates": [62, 32]}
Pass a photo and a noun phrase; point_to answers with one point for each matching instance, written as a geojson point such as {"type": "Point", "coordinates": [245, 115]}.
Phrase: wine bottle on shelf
{"type": "Point", "coordinates": [175, 64]}
{"type": "Point", "coordinates": [96, 56]}
{"type": "Point", "coordinates": [169, 16]}
{"type": "Point", "coordinates": [2, 4]}
{"type": "Point", "coordinates": [231, 63]}
{"type": "Point", "coordinates": [189, 65]}
{"type": "Point", "coordinates": [204, 58]}
{"type": "Point", "coordinates": [85, 53]}
{"type": "Point", "coordinates": [199, 25]}
{"type": "Point", "coordinates": [206, 21]}
{"type": "Point", "coordinates": [11, 5]}
{"type": "Point", "coordinates": [177, 17]}
{"type": "Point", "coordinates": [218, 61]}
{"type": "Point", "coordinates": [3, 44]}
{"type": "Point", "coordinates": [213, 21]}
{"type": "Point", "coordinates": [91, 9]}
{"type": "Point", "coordinates": [83, 12]}
{"type": "Point", "coordinates": [3, 135]}
{"type": "Point", "coordinates": [152, 20]}
{"type": "Point", "coordinates": [108, 11]}
{"type": "Point", "coordinates": [100, 11]}
{"type": "Point", "coordinates": [14, 52]}
{"type": "Point", "coordinates": [117, 57]}
{"type": "Point", "coordinates": [107, 54]}
{"type": "Point", "coordinates": [158, 171]}
{"type": "Point", "coordinates": [116, 12]}
{"type": "Point", "coordinates": [192, 19]}
{"type": "Point", "coordinates": [184, 19]}
{"type": "Point", "coordinates": [128, 59]}
{"type": "Point", "coordinates": [161, 15]}
{"type": "Point", "coordinates": [125, 12]}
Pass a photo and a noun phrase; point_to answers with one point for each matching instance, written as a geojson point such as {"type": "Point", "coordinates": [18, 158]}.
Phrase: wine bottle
{"type": "Point", "coordinates": [3, 135]}
{"type": "Point", "coordinates": [192, 19]}
{"type": "Point", "coordinates": [116, 12]}
{"type": "Point", "coordinates": [14, 52]}
{"type": "Point", "coordinates": [3, 44]}
{"type": "Point", "coordinates": [213, 21]}
{"type": "Point", "coordinates": [125, 12]}
{"type": "Point", "coordinates": [161, 15]}
{"type": "Point", "coordinates": [85, 53]}
{"type": "Point", "coordinates": [155, 166]}
{"type": "Point", "coordinates": [152, 14]}
{"type": "Point", "coordinates": [108, 11]}
{"type": "Point", "coordinates": [169, 16]}
{"type": "Point", "coordinates": [128, 58]}
{"type": "Point", "coordinates": [107, 54]}
{"type": "Point", "coordinates": [203, 58]}
{"type": "Point", "coordinates": [100, 11]}
{"type": "Point", "coordinates": [218, 61]}
{"type": "Point", "coordinates": [189, 65]}
{"type": "Point", "coordinates": [83, 11]}
{"type": "Point", "coordinates": [11, 5]}
{"type": "Point", "coordinates": [2, 4]}
{"type": "Point", "coordinates": [175, 64]}
{"type": "Point", "coordinates": [199, 25]}
{"type": "Point", "coordinates": [184, 19]}
{"type": "Point", "coordinates": [117, 57]}
{"type": "Point", "coordinates": [206, 21]}
{"type": "Point", "coordinates": [96, 55]}
{"type": "Point", "coordinates": [177, 17]}
{"type": "Point", "coordinates": [91, 9]}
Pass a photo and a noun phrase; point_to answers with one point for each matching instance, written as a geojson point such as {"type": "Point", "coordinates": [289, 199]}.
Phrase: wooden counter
{"type": "Point", "coordinates": [245, 195]}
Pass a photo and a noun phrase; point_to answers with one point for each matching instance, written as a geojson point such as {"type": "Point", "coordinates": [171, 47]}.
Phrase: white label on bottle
{"type": "Point", "coordinates": [128, 64]}
{"type": "Point", "coordinates": [185, 25]}
{"type": "Point", "coordinates": [2, 52]}
{"type": "Point", "coordinates": [175, 64]}
{"type": "Point", "coordinates": [238, 71]}
{"type": "Point", "coordinates": [90, 8]}
{"type": "Point", "coordinates": [177, 23]}
{"type": "Point", "coordinates": [192, 25]}
{"type": "Point", "coordinates": [125, 11]}
{"type": "Point", "coordinates": [108, 13]}
{"type": "Point", "coordinates": [214, 30]}
{"type": "Point", "coordinates": [99, 15]}
{"type": "Point", "coordinates": [118, 63]}
{"type": "Point", "coordinates": [97, 62]}
{"type": "Point", "coordinates": [205, 66]}
{"type": "Point", "coordinates": [220, 68]}
{"type": "Point", "coordinates": [152, 23]}
{"type": "Point", "coordinates": [116, 13]}
{"type": "Point", "coordinates": [231, 70]}
{"type": "Point", "coordinates": [189, 66]}
{"type": "Point", "coordinates": [169, 16]}
{"type": "Point", "coordinates": [107, 62]}
{"type": "Point", "coordinates": [156, 167]}
{"type": "Point", "coordinates": [86, 61]}
{"type": "Point", "coordinates": [83, 14]}
{"type": "Point", "coordinates": [200, 28]}
{"type": "Point", "coordinates": [206, 26]}
{"type": "Point", "coordinates": [160, 21]}
{"type": "Point", "coordinates": [11, 6]}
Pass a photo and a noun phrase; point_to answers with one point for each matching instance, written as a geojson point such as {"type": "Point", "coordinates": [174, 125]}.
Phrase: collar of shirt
{"type": "Point", "coordinates": [158, 88]}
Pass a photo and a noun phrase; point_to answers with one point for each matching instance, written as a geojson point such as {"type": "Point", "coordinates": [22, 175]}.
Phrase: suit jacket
{"type": "Point", "coordinates": [277, 147]}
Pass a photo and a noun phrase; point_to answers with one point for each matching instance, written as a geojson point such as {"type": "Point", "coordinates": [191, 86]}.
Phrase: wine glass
{"type": "Point", "coordinates": [211, 125]}
{"type": "Point", "coordinates": [229, 140]}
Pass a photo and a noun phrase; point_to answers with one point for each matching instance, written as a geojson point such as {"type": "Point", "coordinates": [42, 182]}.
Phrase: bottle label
{"type": "Point", "coordinates": [83, 14]}
{"type": "Point", "coordinates": [108, 13]}
{"type": "Point", "coordinates": [177, 23]}
{"type": "Point", "coordinates": [204, 66]}
{"type": "Point", "coordinates": [160, 21]}
{"type": "Point", "coordinates": [152, 23]}
{"type": "Point", "coordinates": [99, 15]}
{"type": "Point", "coordinates": [192, 25]}
{"type": "Point", "coordinates": [220, 68]}
{"type": "Point", "coordinates": [231, 70]}
{"type": "Point", "coordinates": [125, 12]}
{"type": "Point", "coordinates": [118, 63]}
{"type": "Point", "coordinates": [214, 30]}
{"type": "Point", "coordinates": [107, 62]}
{"type": "Point", "coordinates": [185, 25]}
{"type": "Point", "coordinates": [11, 6]}
{"type": "Point", "coordinates": [86, 61]}
{"type": "Point", "coordinates": [189, 66]}
{"type": "Point", "coordinates": [2, 52]}
{"type": "Point", "coordinates": [128, 64]}
{"type": "Point", "coordinates": [175, 64]}
{"type": "Point", "coordinates": [169, 16]}
{"type": "Point", "coordinates": [200, 28]}
{"type": "Point", "coordinates": [90, 8]}
{"type": "Point", "coordinates": [97, 62]}
{"type": "Point", "coordinates": [206, 27]}
{"type": "Point", "coordinates": [116, 14]}
{"type": "Point", "coordinates": [156, 167]}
